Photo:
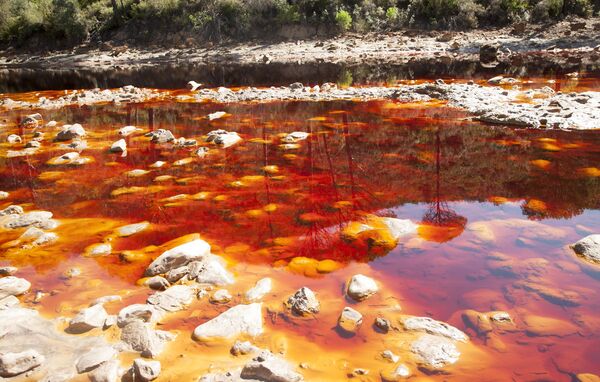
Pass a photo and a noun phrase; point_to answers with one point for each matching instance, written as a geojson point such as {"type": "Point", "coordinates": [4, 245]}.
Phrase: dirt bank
{"type": "Point", "coordinates": [574, 40]}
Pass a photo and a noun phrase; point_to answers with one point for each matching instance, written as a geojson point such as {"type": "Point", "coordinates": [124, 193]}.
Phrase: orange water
{"type": "Point", "coordinates": [535, 190]}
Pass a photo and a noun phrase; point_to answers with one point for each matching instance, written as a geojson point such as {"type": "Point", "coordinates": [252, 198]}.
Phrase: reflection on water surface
{"type": "Point", "coordinates": [496, 209]}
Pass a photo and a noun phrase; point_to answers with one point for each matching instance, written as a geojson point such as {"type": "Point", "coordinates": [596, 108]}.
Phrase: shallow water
{"type": "Point", "coordinates": [497, 209]}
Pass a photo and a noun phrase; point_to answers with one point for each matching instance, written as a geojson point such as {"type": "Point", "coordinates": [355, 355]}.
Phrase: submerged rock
{"type": "Point", "coordinates": [361, 287]}
{"type": "Point", "coordinates": [295, 136]}
{"type": "Point", "coordinates": [178, 256]}
{"type": "Point", "coordinates": [127, 130]}
{"type": "Point", "coordinates": [13, 364]}
{"type": "Point", "coordinates": [258, 291]}
{"type": "Point", "coordinates": [588, 248]}
{"type": "Point", "coordinates": [267, 367]}
{"type": "Point", "coordinates": [304, 302]}
{"type": "Point", "coordinates": [241, 319]}
{"type": "Point", "coordinates": [434, 351]}
{"type": "Point", "coordinates": [431, 326]}
{"type": "Point", "coordinates": [172, 299]}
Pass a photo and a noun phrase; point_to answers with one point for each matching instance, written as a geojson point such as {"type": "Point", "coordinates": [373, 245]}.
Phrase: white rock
{"type": "Point", "coordinates": [29, 219]}
{"type": "Point", "coordinates": [210, 271]}
{"type": "Point", "coordinates": [13, 364]}
{"type": "Point", "coordinates": [69, 132]}
{"type": "Point", "coordinates": [268, 367]}
{"type": "Point", "coordinates": [434, 351]}
{"type": "Point", "coordinates": [119, 146]}
{"type": "Point", "coordinates": [223, 138]}
{"type": "Point", "coordinates": [216, 115]}
{"type": "Point", "coordinates": [146, 370]}
{"type": "Point", "coordinates": [221, 296]}
{"type": "Point", "coordinates": [106, 299]}
{"type": "Point", "coordinates": [127, 130]}
{"type": "Point", "coordinates": [178, 256]}
{"type": "Point", "coordinates": [140, 337]}
{"type": "Point", "coordinates": [173, 299]}
{"type": "Point", "coordinates": [157, 283]}
{"type": "Point", "coordinates": [13, 138]}
{"type": "Point", "coordinates": [12, 210]}
{"type": "Point", "coordinates": [243, 348]}
{"type": "Point", "coordinates": [3, 195]}
{"type": "Point", "coordinates": [400, 227]}
{"type": "Point", "coordinates": [9, 302]}
{"type": "Point", "coordinates": [13, 286]}
{"type": "Point", "coordinates": [295, 137]}
{"type": "Point", "coordinates": [390, 356]}
{"type": "Point", "coordinates": [258, 291]}
{"type": "Point", "coordinates": [431, 326]}
{"type": "Point", "coordinates": [94, 358]}
{"type": "Point", "coordinates": [132, 229]}
{"type": "Point", "coordinates": [304, 302]}
{"type": "Point", "coordinates": [361, 287]}
{"type": "Point", "coordinates": [193, 85]}
{"type": "Point", "coordinates": [350, 320]}
{"type": "Point", "coordinates": [88, 319]}
{"type": "Point", "coordinates": [588, 248]}
{"type": "Point", "coordinates": [109, 371]}
{"type": "Point", "coordinates": [100, 249]}
{"type": "Point", "coordinates": [157, 164]}
{"type": "Point", "coordinates": [241, 319]}
{"type": "Point", "coordinates": [137, 312]}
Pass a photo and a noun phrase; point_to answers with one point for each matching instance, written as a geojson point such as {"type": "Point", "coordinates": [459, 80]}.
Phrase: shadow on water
{"type": "Point", "coordinates": [175, 76]}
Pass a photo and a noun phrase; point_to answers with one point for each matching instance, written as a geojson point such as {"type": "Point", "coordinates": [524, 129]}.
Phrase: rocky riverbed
{"type": "Point", "coordinates": [164, 249]}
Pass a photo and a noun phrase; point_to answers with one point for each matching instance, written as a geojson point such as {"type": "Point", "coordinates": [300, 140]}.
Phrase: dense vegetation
{"type": "Point", "coordinates": [76, 20]}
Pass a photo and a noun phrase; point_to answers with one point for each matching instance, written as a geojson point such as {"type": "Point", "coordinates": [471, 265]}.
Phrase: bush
{"type": "Point", "coordinates": [343, 20]}
{"type": "Point", "coordinates": [445, 13]}
{"type": "Point", "coordinates": [67, 20]}
{"type": "Point", "coordinates": [546, 10]}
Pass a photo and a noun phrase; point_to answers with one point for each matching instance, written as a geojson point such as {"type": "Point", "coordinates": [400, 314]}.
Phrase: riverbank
{"type": "Point", "coordinates": [571, 41]}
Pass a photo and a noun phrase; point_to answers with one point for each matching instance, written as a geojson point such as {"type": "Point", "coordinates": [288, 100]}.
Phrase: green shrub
{"type": "Point", "coordinates": [445, 13]}
{"type": "Point", "coordinates": [546, 10]}
{"type": "Point", "coordinates": [343, 20]}
{"type": "Point", "coordinates": [583, 8]}
{"type": "Point", "coordinates": [67, 20]}
{"type": "Point", "coordinates": [392, 15]}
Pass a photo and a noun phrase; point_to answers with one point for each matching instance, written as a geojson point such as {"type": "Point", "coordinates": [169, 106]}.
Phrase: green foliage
{"type": "Point", "coordinates": [67, 20]}
{"type": "Point", "coordinates": [343, 20]}
{"type": "Point", "coordinates": [445, 13]}
{"type": "Point", "coordinates": [392, 14]}
{"type": "Point", "coordinates": [74, 20]}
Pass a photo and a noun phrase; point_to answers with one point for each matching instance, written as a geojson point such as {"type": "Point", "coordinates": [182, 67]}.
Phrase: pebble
{"type": "Point", "coordinates": [361, 287]}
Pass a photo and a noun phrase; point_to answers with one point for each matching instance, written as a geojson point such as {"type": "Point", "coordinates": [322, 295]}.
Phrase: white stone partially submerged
{"type": "Point", "coordinates": [361, 287]}
{"type": "Point", "coordinates": [239, 320]}
{"type": "Point", "coordinates": [178, 256]}
{"type": "Point", "coordinates": [434, 351]}
{"type": "Point", "coordinates": [431, 326]}
{"type": "Point", "coordinates": [258, 291]}
{"type": "Point", "coordinates": [13, 286]}
{"type": "Point", "coordinates": [588, 248]}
